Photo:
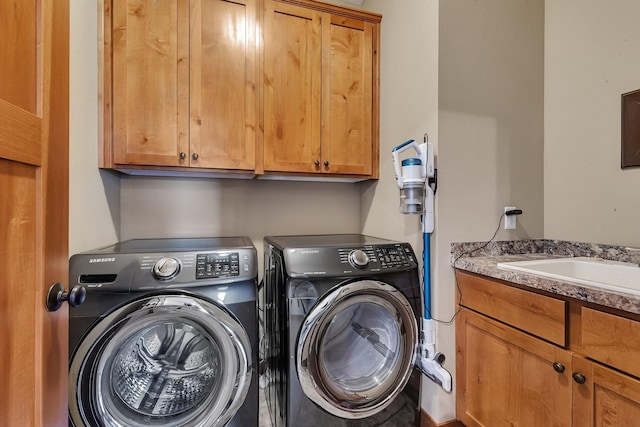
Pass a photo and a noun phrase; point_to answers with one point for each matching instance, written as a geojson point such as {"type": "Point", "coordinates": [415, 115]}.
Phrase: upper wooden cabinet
{"type": "Point", "coordinates": [253, 86]}
{"type": "Point", "coordinates": [180, 84]}
{"type": "Point", "coordinates": [320, 89]}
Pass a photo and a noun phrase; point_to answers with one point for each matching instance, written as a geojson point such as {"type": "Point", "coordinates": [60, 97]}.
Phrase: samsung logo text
{"type": "Point", "coordinates": [95, 260]}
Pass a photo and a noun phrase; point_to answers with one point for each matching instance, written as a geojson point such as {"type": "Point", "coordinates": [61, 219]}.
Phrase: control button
{"type": "Point", "coordinates": [358, 258]}
{"type": "Point", "coordinates": [166, 269]}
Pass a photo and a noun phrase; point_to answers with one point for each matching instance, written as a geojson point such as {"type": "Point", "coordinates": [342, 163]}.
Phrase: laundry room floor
{"type": "Point", "coordinates": [264, 420]}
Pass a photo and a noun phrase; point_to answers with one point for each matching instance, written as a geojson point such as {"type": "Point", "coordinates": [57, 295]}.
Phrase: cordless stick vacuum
{"type": "Point", "coordinates": [417, 180]}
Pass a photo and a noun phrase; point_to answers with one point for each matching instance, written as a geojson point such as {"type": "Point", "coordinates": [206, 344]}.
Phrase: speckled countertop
{"type": "Point", "coordinates": [482, 258]}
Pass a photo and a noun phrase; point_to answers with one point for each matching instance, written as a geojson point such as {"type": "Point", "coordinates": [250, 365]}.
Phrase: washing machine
{"type": "Point", "coordinates": [341, 321]}
{"type": "Point", "coordinates": [167, 335]}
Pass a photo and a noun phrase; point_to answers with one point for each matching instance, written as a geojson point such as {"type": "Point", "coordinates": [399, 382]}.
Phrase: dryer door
{"type": "Point", "coordinates": [356, 349]}
{"type": "Point", "coordinates": [169, 360]}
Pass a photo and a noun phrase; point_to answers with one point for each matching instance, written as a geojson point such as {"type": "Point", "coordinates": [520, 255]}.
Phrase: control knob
{"type": "Point", "coordinates": [166, 269]}
{"type": "Point", "coordinates": [358, 258]}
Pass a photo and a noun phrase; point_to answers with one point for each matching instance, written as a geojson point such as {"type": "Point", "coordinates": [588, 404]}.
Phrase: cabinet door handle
{"type": "Point", "coordinates": [317, 163]}
{"type": "Point", "coordinates": [195, 156]}
{"type": "Point", "coordinates": [558, 367]}
{"type": "Point", "coordinates": [183, 155]}
{"type": "Point", "coordinates": [326, 163]}
{"type": "Point", "coordinates": [578, 377]}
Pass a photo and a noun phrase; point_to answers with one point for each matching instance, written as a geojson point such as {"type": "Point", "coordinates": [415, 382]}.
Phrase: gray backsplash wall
{"type": "Point", "coordinates": [192, 207]}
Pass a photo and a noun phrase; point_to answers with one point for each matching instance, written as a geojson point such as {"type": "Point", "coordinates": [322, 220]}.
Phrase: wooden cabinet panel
{"type": "Point", "coordinates": [606, 398]}
{"type": "Point", "coordinates": [347, 92]}
{"type": "Point", "coordinates": [320, 90]}
{"type": "Point", "coordinates": [608, 338]}
{"type": "Point", "coordinates": [534, 313]}
{"type": "Point", "coordinates": [292, 66]}
{"type": "Point", "coordinates": [150, 70]}
{"type": "Point", "coordinates": [507, 378]}
{"type": "Point", "coordinates": [223, 84]}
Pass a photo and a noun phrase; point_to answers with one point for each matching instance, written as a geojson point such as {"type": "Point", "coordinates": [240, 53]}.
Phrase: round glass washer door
{"type": "Point", "coordinates": [169, 360]}
{"type": "Point", "coordinates": [356, 349]}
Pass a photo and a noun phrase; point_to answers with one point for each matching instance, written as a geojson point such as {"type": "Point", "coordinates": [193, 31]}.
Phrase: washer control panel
{"type": "Point", "coordinates": [148, 264]}
{"type": "Point", "coordinates": [217, 265]}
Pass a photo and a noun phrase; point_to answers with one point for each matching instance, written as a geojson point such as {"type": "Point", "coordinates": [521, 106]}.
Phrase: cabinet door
{"type": "Point", "coordinates": [605, 398]}
{"type": "Point", "coordinates": [508, 378]}
{"type": "Point", "coordinates": [347, 108]}
{"type": "Point", "coordinates": [150, 42]}
{"type": "Point", "coordinates": [292, 66]}
{"type": "Point", "coordinates": [34, 210]}
{"type": "Point", "coordinates": [223, 85]}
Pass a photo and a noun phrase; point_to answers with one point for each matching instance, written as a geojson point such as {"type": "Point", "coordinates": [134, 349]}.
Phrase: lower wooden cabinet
{"type": "Point", "coordinates": [606, 397]}
{"type": "Point", "coordinates": [511, 376]}
{"type": "Point", "coordinates": [508, 378]}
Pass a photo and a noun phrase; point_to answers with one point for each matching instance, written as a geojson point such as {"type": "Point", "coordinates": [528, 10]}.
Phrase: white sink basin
{"type": "Point", "coordinates": [594, 272]}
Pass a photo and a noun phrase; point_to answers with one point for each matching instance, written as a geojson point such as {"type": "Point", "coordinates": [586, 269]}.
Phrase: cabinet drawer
{"type": "Point", "coordinates": [611, 339]}
{"type": "Point", "coordinates": [536, 314]}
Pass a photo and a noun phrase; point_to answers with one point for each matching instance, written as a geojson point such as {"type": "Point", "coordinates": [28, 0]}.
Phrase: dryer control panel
{"type": "Point", "coordinates": [349, 261]}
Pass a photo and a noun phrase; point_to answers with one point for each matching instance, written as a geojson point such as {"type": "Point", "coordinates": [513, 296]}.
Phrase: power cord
{"type": "Point", "coordinates": [469, 252]}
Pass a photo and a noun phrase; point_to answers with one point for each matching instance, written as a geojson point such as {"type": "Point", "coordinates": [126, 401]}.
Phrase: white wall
{"type": "Point", "coordinates": [491, 129]}
{"type": "Point", "coordinates": [409, 108]}
{"type": "Point", "coordinates": [188, 207]}
{"type": "Point", "coordinates": [471, 75]}
{"type": "Point", "coordinates": [94, 195]}
{"type": "Point", "coordinates": [592, 56]}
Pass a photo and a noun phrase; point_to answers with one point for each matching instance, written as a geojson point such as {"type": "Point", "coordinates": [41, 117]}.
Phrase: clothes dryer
{"type": "Point", "coordinates": [167, 335]}
{"type": "Point", "coordinates": [341, 321]}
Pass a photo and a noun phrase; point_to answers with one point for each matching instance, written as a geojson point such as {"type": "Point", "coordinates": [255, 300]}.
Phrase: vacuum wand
{"type": "Point", "coordinates": [417, 180]}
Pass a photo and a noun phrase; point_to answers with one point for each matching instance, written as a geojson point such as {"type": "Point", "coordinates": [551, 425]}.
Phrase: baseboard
{"type": "Point", "coordinates": [427, 421]}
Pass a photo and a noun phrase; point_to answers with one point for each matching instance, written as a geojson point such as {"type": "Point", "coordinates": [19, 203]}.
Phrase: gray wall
{"type": "Point", "coordinates": [471, 75]}
{"type": "Point", "coordinates": [592, 56]}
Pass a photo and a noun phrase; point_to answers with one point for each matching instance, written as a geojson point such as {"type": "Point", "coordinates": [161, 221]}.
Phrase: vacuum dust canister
{"type": "Point", "coordinates": [412, 190]}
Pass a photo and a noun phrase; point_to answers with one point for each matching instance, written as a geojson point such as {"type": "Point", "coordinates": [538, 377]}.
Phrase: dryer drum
{"type": "Point", "coordinates": [167, 360]}
{"type": "Point", "coordinates": [356, 349]}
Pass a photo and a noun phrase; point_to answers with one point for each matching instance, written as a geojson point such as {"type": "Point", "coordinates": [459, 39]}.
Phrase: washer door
{"type": "Point", "coordinates": [356, 349]}
{"type": "Point", "coordinates": [169, 360]}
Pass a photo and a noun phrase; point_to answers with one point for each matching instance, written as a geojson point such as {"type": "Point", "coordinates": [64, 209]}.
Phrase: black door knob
{"type": "Point", "coordinates": [57, 295]}
{"type": "Point", "coordinates": [558, 367]}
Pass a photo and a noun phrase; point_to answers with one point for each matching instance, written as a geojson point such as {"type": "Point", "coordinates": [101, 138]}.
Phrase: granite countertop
{"type": "Point", "coordinates": [482, 258]}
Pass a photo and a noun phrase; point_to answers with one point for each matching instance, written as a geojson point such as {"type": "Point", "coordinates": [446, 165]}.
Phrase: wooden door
{"type": "Point", "coordinates": [34, 58]}
{"type": "Point", "coordinates": [347, 95]}
{"type": "Point", "coordinates": [605, 398]}
{"type": "Point", "coordinates": [507, 378]}
{"type": "Point", "coordinates": [292, 67]}
{"type": "Point", "coordinates": [223, 84]}
{"type": "Point", "coordinates": [150, 82]}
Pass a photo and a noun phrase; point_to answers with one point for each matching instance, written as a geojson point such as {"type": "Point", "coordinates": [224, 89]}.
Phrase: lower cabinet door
{"type": "Point", "coordinates": [506, 377]}
{"type": "Point", "coordinates": [603, 397]}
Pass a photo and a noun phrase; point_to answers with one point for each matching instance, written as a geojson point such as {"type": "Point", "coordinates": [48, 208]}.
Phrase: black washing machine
{"type": "Point", "coordinates": [167, 335]}
{"type": "Point", "coordinates": [341, 322]}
